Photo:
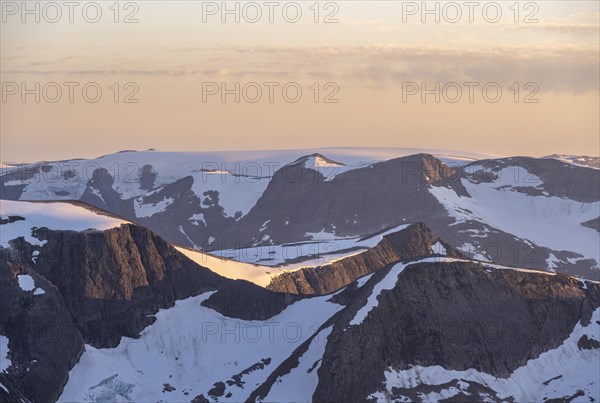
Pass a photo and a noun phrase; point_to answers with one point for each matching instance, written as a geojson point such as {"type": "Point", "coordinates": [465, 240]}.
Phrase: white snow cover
{"type": "Point", "coordinates": [149, 209]}
{"type": "Point", "coordinates": [329, 169]}
{"type": "Point", "coordinates": [236, 193]}
{"type": "Point", "coordinates": [26, 282]}
{"type": "Point", "coordinates": [55, 216]}
{"type": "Point", "coordinates": [191, 347]}
{"type": "Point", "coordinates": [300, 383]}
{"type": "Point", "coordinates": [196, 219]}
{"type": "Point", "coordinates": [4, 360]}
{"type": "Point", "coordinates": [325, 248]}
{"type": "Point", "coordinates": [547, 221]}
{"type": "Point", "coordinates": [361, 281]}
{"type": "Point", "coordinates": [577, 368]}
{"type": "Point", "coordinates": [260, 275]}
{"type": "Point", "coordinates": [578, 160]}
{"type": "Point", "coordinates": [439, 248]}
{"type": "Point", "coordinates": [239, 176]}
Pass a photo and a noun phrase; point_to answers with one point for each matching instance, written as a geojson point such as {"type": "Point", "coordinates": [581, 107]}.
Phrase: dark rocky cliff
{"type": "Point", "coordinates": [42, 340]}
{"type": "Point", "coordinates": [456, 315]}
{"type": "Point", "coordinates": [299, 200]}
{"type": "Point", "coordinates": [113, 280]}
{"type": "Point", "coordinates": [244, 300]}
{"type": "Point", "coordinates": [413, 242]}
{"type": "Point", "coordinates": [99, 286]}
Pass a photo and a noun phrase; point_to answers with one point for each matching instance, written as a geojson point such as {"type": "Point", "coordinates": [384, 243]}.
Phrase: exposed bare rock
{"type": "Point", "coordinates": [456, 315]}
{"type": "Point", "coordinates": [413, 242]}
{"type": "Point", "coordinates": [244, 300]}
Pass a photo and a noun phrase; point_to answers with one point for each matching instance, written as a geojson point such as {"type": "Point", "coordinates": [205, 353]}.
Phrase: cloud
{"type": "Point", "coordinates": [571, 68]}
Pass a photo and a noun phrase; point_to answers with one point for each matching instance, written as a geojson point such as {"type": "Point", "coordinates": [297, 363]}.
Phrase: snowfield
{"type": "Point", "coordinates": [302, 380]}
{"type": "Point", "coordinates": [55, 216]}
{"type": "Point", "coordinates": [240, 177]}
{"type": "Point", "coordinates": [260, 275]}
{"type": "Point", "coordinates": [547, 221]}
{"type": "Point", "coordinates": [324, 248]}
{"type": "Point", "coordinates": [191, 347]}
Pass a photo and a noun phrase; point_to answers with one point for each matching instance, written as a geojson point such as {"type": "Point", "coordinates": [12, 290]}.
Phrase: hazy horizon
{"type": "Point", "coordinates": [301, 151]}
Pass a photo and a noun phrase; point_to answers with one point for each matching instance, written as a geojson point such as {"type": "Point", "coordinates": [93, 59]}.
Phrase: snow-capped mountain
{"type": "Point", "coordinates": [95, 308]}
{"type": "Point", "coordinates": [282, 208]}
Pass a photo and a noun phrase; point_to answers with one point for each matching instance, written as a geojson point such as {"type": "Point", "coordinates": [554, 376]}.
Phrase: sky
{"type": "Point", "coordinates": [507, 78]}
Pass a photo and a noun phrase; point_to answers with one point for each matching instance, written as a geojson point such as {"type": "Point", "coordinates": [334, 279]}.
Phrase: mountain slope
{"type": "Point", "coordinates": [71, 276]}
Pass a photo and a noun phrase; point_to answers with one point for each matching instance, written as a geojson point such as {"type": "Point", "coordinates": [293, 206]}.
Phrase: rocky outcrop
{"type": "Point", "coordinates": [42, 341]}
{"type": "Point", "coordinates": [410, 243]}
{"type": "Point", "coordinates": [593, 224]}
{"type": "Point", "coordinates": [300, 200]}
{"type": "Point", "coordinates": [456, 315]}
{"type": "Point", "coordinates": [557, 178]}
{"type": "Point", "coordinates": [114, 280]}
{"type": "Point", "coordinates": [175, 223]}
{"type": "Point", "coordinates": [243, 300]}
{"type": "Point", "coordinates": [96, 287]}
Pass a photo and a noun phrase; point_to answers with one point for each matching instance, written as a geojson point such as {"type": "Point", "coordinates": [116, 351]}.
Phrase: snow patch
{"type": "Point", "coordinates": [552, 222]}
{"type": "Point", "coordinates": [4, 360]}
{"type": "Point", "coordinates": [300, 383]}
{"type": "Point", "coordinates": [387, 283]}
{"type": "Point", "coordinates": [26, 282]}
{"type": "Point", "coordinates": [361, 281]}
{"type": "Point", "coordinates": [55, 216]}
{"type": "Point", "coordinates": [143, 210]}
{"type": "Point", "coordinates": [191, 347]}
{"type": "Point", "coordinates": [197, 218]}
{"type": "Point", "coordinates": [326, 250]}
{"type": "Point", "coordinates": [439, 248]}
{"type": "Point", "coordinates": [260, 275]}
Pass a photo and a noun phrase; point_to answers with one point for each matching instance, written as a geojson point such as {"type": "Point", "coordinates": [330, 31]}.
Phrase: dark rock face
{"type": "Point", "coordinates": [112, 280]}
{"type": "Point", "coordinates": [43, 341]}
{"type": "Point", "coordinates": [457, 315]}
{"type": "Point", "coordinates": [100, 193]}
{"type": "Point", "coordinates": [586, 343]}
{"type": "Point", "coordinates": [147, 177]}
{"type": "Point", "coordinates": [467, 392]}
{"type": "Point", "coordinates": [173, 223]}
{"type": "Point", "coordinates": [98, 286]}
{"type": "Point", "coordinates": [11, 219]}
{"type": "Point", "coordinates": [594, 224]}
{"type": "Point", "coordinates": [558, 178]}
{"type": "Point", "coordinates": [243, 300]}
{"type": "Point", "coordinates": [356, 202]}
{"type": "Point", "coordinates": [410, 243]}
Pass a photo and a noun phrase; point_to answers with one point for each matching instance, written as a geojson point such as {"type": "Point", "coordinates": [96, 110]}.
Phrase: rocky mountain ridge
{"type": "Point", "coordinates": [210, 206]}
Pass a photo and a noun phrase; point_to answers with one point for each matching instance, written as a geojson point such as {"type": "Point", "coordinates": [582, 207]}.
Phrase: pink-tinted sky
{"type": "Point", "coordinates": [375, 61]}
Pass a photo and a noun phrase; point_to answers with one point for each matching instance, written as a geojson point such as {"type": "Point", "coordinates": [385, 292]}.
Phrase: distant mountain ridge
{"type": "Point", "coordinates": [199, 201]}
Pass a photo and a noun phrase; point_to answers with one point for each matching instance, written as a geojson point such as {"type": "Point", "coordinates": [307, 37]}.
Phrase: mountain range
{"type": "Point", "coordinates": [327, 276]}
